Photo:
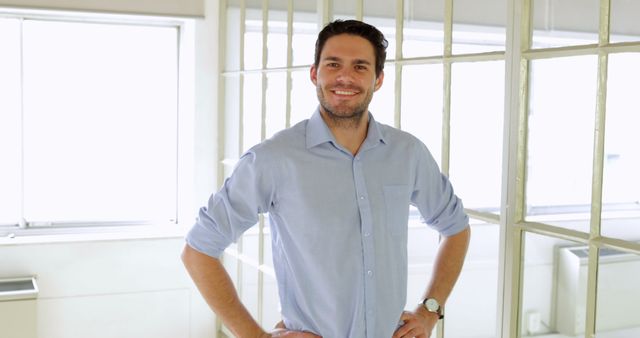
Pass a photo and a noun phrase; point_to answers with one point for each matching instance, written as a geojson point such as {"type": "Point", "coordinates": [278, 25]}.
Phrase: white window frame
{"type": "Point", "coordinates": [513, 227]}
{"type": "Point", "coordinates": [185, 123]}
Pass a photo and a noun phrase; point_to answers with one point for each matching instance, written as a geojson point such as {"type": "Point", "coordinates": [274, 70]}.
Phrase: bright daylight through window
{"type": "Point", "coordinates": [88, 123]}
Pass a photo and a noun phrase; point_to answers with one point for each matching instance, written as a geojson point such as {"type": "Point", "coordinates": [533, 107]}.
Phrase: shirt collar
{"type": "Point", "coordinates": [318, 132]}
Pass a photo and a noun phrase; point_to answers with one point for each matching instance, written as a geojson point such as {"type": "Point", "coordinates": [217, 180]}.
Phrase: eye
{"type": "Point", "coordinates": [333, 65]}
{"type": "Point", "coordinates": [361, 67]}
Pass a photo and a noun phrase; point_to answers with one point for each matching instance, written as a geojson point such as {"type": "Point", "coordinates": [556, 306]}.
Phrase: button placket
{"type": "Point", "coordinates": [366, 228]}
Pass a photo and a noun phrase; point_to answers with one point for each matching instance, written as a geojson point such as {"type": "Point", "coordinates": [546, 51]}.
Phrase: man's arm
{"type": "Point", "coordinates": [216, 287]}
{"type": "Point", "coordinates": [448, 264]}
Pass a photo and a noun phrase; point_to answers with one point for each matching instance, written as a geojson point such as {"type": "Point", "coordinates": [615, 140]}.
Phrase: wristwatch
{"type": "Point", "coordinates": [432, 305]}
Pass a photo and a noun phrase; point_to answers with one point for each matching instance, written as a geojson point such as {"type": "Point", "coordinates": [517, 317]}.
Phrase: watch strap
{"type": "Point", "coordinates": [438, 311]}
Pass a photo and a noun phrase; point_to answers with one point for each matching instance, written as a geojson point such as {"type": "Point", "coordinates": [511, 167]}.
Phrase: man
{"type": "Point", "coordinates": [337, 188]}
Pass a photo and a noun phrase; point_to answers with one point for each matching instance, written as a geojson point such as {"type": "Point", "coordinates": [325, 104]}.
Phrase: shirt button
{"type": "Point", "coordinates": [370, 273]}
{"type": "Point", "coordinates": [366, 234]}
{"type": "Point", "coordinates": [361, 197]}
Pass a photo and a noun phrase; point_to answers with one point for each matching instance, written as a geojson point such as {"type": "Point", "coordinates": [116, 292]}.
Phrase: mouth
{"type": "Point", "coordinates": [345, 92]}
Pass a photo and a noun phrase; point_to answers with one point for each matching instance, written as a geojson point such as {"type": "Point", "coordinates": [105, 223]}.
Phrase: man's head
{"type": "Point", "coordinates": [358, 28]}
{"type": "Point", "coordinates": [347, 70]}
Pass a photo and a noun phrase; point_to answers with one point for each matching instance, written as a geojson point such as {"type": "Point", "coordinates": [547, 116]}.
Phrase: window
{"type": "Point", "coordinates": [576, 203]}
{"type": "Point", "coordinates": [9, 122]}
{"type": "Point", "coordinates": [88, 121]}
{"type": "Point", "coordinates": [553, 175]}
{"type": "Point", "coordinates": [438, 102]}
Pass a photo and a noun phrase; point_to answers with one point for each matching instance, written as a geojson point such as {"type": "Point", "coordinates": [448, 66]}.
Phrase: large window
{"type": "Point", "coordinates": [549, 183]}
{"type": "Point", "coordinates": [453, 103]}
{"type": "Point", "coordinates": [576, 203]}
{"type": "Point", "coordinates": [88, 121]}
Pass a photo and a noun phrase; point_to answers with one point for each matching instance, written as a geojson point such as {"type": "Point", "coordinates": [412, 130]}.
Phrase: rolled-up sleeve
{"type": "Point", "coordinates": [234, 208]}
{"type": "Point", "coordinates": [434, 197]}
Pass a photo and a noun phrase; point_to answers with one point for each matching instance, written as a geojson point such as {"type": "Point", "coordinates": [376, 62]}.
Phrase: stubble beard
{"type": "Point", "coordinates": [346, 117]}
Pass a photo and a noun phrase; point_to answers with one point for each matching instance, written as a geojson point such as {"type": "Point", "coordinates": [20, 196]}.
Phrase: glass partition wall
{"type": "Point", "coordinates": [527, 107]}
{"type": "Point", "coordinates": [572, 229]}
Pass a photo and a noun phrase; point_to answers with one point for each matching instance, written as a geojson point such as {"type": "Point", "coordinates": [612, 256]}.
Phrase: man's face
{"type": "Point", "coordinates": [345, 77]}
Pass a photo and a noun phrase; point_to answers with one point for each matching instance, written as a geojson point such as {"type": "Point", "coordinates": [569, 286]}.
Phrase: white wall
{"type": "Point", "coordinates": [108, 288]}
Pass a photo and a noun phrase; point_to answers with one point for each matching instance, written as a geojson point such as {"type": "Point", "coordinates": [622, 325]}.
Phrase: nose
{"type": "Point", "coordinates": [345, 76]}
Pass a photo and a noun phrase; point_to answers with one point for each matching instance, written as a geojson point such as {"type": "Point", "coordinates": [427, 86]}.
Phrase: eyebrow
{"type": "Point", "coordinates": [356, 61]}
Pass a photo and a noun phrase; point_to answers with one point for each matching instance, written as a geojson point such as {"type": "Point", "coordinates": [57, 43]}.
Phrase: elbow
{"type": "Point", "coordinates": [187, 256]}
{"type": "Point", "coordinates": [460, 239]}
{"type": "Point", "coordinates": [466, 235]}
{"type": "Point", "coordinates": [467, 232]}
{"type": "Point", "coordinates": [192, 258]}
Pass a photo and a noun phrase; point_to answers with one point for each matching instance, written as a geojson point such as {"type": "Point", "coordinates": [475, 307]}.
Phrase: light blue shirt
{"type": "Point", "coordinates": [338, 222]}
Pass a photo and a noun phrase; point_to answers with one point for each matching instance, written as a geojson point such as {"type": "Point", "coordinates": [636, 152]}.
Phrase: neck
{"type": "Point", "coordinates": [349, 134]}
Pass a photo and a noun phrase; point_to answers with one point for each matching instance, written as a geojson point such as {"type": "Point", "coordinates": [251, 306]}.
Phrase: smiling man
{"type": "Point", "coordinates": [337, 188]}
{"type": "Point", "coordinates": [347, 79]}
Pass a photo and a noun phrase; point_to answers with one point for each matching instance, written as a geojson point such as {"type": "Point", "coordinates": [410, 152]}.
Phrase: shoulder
{"type": "Point", "coordinates": [413, 150]}
{"type": "Point", "coordinates": [280, 144]}
{"type": "Point", "coordinates": [401, 138]}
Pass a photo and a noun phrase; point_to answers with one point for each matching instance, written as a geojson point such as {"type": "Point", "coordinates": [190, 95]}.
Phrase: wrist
{"type": "Point", "coordinates": [426, 314]}
{"type": "Point", "coordinates": [432, 305]}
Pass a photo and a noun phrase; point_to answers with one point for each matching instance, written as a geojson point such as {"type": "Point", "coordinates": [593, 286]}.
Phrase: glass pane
{"type": "Point", "coordinates": [344, 10]}
{"type": "Point", "coordinates": [554, 287]}
{"type": "Point", "coordinates": [252, 111]}
{"type": "Point", "coordinates": [422, 248]}
{"type": "Point", "coordinates": [249, 288]}
{"type": "Point", "coordinates": [304, 100]}
{"type": "Point", "coordinates": [477, 101]}
{"type": "Point", "coordinates": [9, 121]}
{"type": "Point", "coordinates": [381, 14]}
{"type": "Point", "coordinates": [625, 25]}
{"type": "Point", "coordinates": [383, 102]}
{"type": "Point", "coordinates": [422, 105]}
{"type": "Point", "coordinates": [253, 39]}
{"type": "Point", "coordinates": [305, 31]}
{"type": "Point", "coordinates": [276, 102]}
{"type": "Point", "coordinates": [251, 244]}
{"type": "Point", "coordinates": [100, 121]}
{"type": "Point", "coordinates": [232, 56]}
{"type": "Point", "coordinates": [478, 310]}
{"type": "Point", "coordinates": [479, 26]}
{"type": "Point", "coordinates": [232, 117]}
{"type": "Point", "coordinates": [423, 32]}
{"type": "Point", "coordinates": [618, 294]}
{"type": "Point", "coordinates": [621, 184]}
{"type": "Point", "coordinates": [277, 38]}
{"type": "Point", "coordinates": [556, 23]}
{"type": "Point", "coordinates": [271, 300]}
{"type": "Point", "coordinates": [561, 122]}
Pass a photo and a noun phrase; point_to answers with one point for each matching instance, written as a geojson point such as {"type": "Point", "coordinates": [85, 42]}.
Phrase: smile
{"type": "Point", "coordinates": [344, 92]}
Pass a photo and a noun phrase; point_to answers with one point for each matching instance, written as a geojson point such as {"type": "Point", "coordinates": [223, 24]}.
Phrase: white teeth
{"type": "Point", "coordinates": [340, 92]}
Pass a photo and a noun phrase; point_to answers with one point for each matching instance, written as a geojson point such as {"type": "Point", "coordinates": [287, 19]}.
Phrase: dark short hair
{"type": "Point", "coordinates": [358, 28]}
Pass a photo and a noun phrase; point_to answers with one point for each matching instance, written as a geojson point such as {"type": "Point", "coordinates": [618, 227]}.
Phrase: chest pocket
{"type": "Point", "coordinates": [396, 198]}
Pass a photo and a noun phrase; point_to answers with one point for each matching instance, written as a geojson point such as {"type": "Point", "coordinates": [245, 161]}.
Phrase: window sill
{"type": "Point", "coordinates": [15, 236]}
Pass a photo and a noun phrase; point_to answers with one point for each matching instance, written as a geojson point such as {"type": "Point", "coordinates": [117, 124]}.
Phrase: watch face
{"type": "Point", "coordinates": [432, 305]}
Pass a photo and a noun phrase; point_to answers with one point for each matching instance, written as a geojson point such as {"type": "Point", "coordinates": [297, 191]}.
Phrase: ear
{"type": "Point", "coordinates": [313, 74]}
{"type": "Point", "coordinates": [379, 81]}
